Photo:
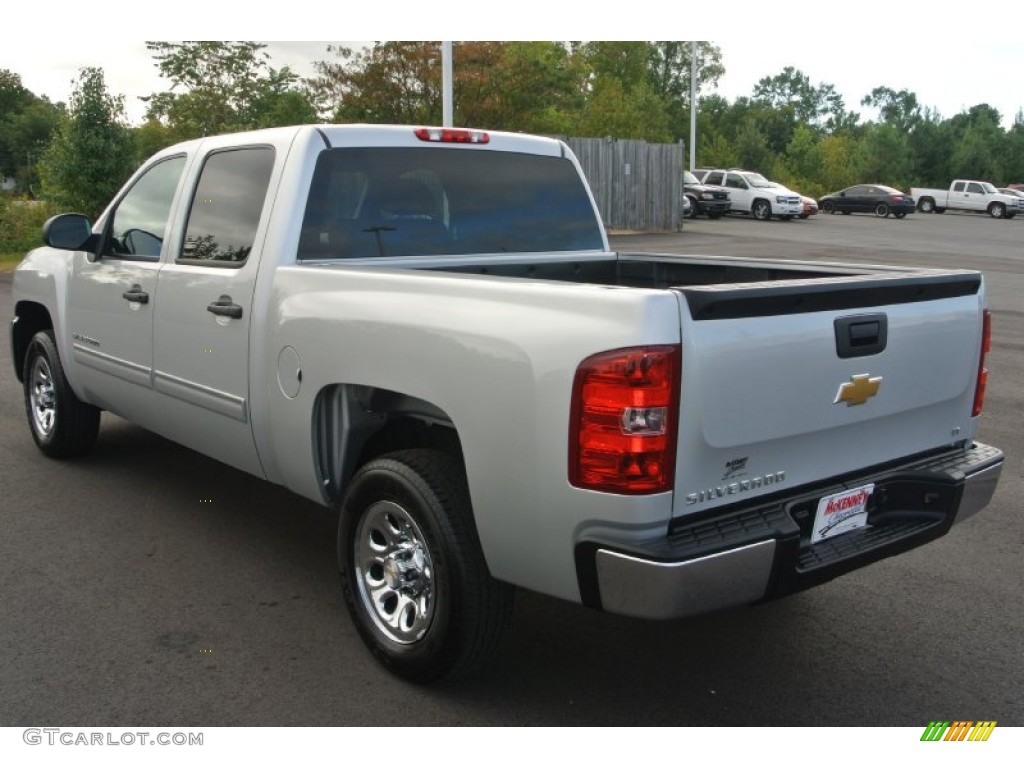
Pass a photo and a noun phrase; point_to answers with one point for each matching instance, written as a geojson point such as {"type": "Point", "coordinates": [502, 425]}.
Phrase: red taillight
{"type": "Point", "coordinates": [986, 345]}
{"type": "Point", "coordinates": [452, 135]}
{"type": "Point", "coordinates": [895, 198]}
{"type": "Point", "coordinates": [623, 421]}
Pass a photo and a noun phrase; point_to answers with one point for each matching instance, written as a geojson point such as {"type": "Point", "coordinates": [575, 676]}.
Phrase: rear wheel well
{"type": "Point", "coordinates": [356, 424]}
{"type": "Point", "coordinates": [30, 319]}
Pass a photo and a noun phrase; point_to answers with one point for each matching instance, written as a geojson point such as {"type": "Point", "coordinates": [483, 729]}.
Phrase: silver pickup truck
{"type": "Point", "coordinates": [425, 329]}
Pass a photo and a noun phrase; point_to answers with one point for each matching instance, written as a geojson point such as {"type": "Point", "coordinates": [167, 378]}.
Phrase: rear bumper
{"type": "Point", "coordinates": [750, 554]}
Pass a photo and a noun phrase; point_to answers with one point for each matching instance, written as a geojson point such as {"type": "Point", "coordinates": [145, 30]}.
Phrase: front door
{"type": "Point", "coordinates": [111, 299]}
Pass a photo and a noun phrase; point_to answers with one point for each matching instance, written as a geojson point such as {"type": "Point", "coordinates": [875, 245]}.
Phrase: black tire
{"type": "Point", "coordinates": [997, 210]}
{"type": "Point", "coordinates": [926, 205]}
{"type": "Point", "coordinates": [882, 211]}
{"type": "Point", "coordinates": [828, 207]}
{"type": "Point", "coordinates": [693, 207]}
{"type": "Point", "coordinates": [61, 424]}
{"type": "Point", "coordinates": [412, 570]}
{"type": "Point", "coordinates": [761, 210]}
{"type": "Point", "coordinates": [899, 214]}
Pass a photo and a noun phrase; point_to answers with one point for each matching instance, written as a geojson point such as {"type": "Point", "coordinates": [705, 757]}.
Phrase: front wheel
{"type": "Point", "coordinates": [62, 425]}
{"type": "Point", "coordinates": [693, 207]}
{"type": "Point", "coordinates": [761, 210]}
{"type": "Point", "coordinates": [882, 210]}
{"type": "Point", "coordinates": [997, 210]}
{"type": "Point", "coordinates": [412, 570]}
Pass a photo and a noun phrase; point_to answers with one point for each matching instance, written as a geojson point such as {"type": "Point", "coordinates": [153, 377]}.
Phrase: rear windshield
{"type": "Point", "coordinates": [390, 201]}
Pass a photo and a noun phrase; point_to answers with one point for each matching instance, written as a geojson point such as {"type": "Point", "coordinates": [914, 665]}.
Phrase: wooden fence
{"type": "Point", "coordinates": [637, 186]}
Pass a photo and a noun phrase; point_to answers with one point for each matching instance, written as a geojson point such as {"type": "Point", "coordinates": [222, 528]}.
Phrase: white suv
{"type": "Point", "coordinates": [752, 193]}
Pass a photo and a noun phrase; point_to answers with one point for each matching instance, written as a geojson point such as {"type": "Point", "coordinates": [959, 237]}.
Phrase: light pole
{"type": "Point", "coordinates": [446, 83]}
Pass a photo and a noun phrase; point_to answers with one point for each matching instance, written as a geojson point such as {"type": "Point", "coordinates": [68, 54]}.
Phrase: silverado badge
{"type": "Point", "coordinates": [858, 389]}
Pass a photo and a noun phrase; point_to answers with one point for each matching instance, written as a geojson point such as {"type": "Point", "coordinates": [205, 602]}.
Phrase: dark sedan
{"type": "Point", "coordinates": [713, 202]}
{"type": "Point", "coordinates": [868, 198]}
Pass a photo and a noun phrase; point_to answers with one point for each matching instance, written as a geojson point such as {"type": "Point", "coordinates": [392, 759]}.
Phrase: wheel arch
{"type": "Point", "coordinates": [354, 424]}
{"type": "Point", "coordinates": [30, 317]}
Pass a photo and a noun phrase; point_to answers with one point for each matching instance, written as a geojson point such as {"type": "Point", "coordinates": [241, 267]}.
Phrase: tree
{"type": "Point", "coordinates": [883, 157]}
{"type": "Point", "coordinates": [226, 86]}
{"type": "Point", "coordinates": [390, 82]}
{"type": "Point", "coordinates": [91, 153]}
{"type": "Point", "coordinates": [899, 108]}
{"type": "Point", "coordinates": [26, 124]}
{"type": "Point", "coordinates": [791, 92]}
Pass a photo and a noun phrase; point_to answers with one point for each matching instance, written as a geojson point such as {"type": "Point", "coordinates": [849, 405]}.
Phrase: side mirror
{"type": "Point", "coordinates": [67, 231]}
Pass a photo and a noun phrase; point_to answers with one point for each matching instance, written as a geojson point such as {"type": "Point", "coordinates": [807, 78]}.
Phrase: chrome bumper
{"type": "Point", "coordinates": [719, 566]}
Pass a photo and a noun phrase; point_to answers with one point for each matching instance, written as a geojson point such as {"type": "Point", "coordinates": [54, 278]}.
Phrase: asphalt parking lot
{"type": "Point", "coordinates": [149, 585]}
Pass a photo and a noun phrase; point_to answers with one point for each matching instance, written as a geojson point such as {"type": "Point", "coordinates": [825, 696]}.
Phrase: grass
{"type": "Point", "coordinates": [9, 261]}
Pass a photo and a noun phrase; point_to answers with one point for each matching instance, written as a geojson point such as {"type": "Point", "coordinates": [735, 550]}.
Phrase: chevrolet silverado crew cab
{"type": "Point", "coordinates": [426, 330]}
{"type": "Point", "coordinates": [753, 194]}
{"type": "Point", "coordinates": [967, 195]}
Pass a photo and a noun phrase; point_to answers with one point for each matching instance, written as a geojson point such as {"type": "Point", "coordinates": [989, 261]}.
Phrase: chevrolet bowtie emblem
{"type": "Point", "coordinates": [858, 389]}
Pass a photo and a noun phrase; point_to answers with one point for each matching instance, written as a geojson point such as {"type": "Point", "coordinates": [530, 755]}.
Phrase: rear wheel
{"type": "Point", "coordinates": [62, 425]}
{"type": "Point", "coordinates": [828, 207]}
{"type": "Point", "coordinates": [926, 205]}
{"type": "Point", "coordinates": [997, 210]}
{"type": "Point", "coordinates": [882, 210]}
{"type": "Point", "coordinates": [412, 570]}
{"type": "Point", "coordinates": [761, 210]}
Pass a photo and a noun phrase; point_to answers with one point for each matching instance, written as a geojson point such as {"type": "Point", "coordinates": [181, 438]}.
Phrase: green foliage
{"type": "Point", "coordinates": [26, 124]}
{"type": "Point", "coordinates": [92, 152]}
{"type": "Point", "coordinates": [226, 86]}
{"type": "Point", "coordinates": [21, 223]}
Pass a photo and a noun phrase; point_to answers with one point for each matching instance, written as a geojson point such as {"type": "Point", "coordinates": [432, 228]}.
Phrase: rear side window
{"type": "Point", "coordinates": [958, 187]}
{"type": "Point", "coordinates": [226, 207]}
{"type": "Point", "coordinates": [396, 201]}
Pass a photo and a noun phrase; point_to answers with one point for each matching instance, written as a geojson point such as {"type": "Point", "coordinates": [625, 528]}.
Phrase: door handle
{"type": "Point", "coordinates": [224, 307]}
{"type": "Point", "coordinates": [136, 294]}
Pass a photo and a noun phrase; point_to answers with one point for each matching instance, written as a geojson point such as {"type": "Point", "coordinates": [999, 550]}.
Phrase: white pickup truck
{"type": "Point", "coordinates": [968, 195]}
{"type": "Point", "coordinates": [426, 330]}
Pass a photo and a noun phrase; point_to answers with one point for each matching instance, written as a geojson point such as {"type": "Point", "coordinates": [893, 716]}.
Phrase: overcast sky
{"type": "Point", "coordinates": [951, 59]}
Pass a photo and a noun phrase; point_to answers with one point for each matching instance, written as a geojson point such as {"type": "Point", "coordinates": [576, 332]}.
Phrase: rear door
{"type": "Point", "coordinates": [202, 322]}
{"type": "Point", "coordinates": [784, 385]}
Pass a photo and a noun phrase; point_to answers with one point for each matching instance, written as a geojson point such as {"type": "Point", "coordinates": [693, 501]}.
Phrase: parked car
{"type": "Point", "coordinates": [810, 206]}
{"type": "Point", "coordinates": [711, 201]}
{"type": "Point", "coordinates": [753, 194]}
{"type": "Point", "coordinates": [869, 198]}
{"type": "Point", "coordinates": [1012, 192]}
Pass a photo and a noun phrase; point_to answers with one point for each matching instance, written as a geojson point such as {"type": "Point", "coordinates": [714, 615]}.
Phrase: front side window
{"type": "Point", "coordinates": [227, 205]}
{"type": "Point", "coordinates": [139, 222]}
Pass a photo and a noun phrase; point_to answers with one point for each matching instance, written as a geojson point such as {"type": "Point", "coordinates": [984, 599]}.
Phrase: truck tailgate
{"type": "Point", "coordinates": [793, 382]}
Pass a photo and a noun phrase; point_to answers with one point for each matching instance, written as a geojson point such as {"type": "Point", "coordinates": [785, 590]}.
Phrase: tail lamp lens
{"type": "Point", "coordinates": [986, 345]}
{"type": "Point", "coordinates": [624, 420]}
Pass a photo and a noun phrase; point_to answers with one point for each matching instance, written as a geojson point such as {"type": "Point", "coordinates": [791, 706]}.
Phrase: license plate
{"type": "Point", "coordinates": [841, 512]}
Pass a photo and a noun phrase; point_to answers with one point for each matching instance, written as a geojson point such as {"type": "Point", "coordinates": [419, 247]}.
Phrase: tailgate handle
{"type": "Point", "coordinates": [861, 335]}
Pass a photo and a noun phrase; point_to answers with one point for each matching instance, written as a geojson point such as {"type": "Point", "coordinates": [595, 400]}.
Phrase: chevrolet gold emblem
{"type": "Point", "coordinates": [858, 389]}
